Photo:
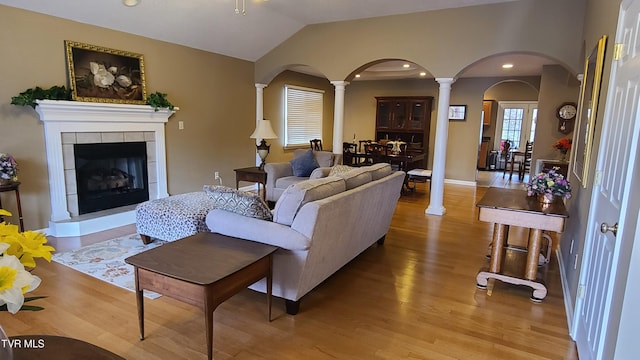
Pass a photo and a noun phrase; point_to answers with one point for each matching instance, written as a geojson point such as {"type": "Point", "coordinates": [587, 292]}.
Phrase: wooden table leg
{"type": "Point", "coordinates": [209, 308]}
{"type": "Point", "coordinates": [533, 254]}
{"type": "Point", "coordinates": [140, 303]}
{"type": "Point", "coordinates": [270, 284]}
{"type": "Point", "coordinates": [499, 235]}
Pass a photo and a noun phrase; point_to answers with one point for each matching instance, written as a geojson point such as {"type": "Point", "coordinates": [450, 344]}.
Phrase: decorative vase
{"type": "Point", "coordinates": [543, 199]}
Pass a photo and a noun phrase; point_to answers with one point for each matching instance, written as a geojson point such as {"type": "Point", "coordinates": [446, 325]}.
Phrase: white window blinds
{"type": "Point", "coordinates": [303, 115]}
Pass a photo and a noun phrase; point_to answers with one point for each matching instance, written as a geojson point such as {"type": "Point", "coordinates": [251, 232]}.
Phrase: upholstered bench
{"type": "Point", "coordinates": [174, 217]}
{"type": "Point", "coordinates": [418, 175]}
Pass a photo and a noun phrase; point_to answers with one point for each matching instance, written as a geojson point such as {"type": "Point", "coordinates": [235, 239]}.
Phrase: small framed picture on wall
{"type": "Point", "coordinates": [457, 112]}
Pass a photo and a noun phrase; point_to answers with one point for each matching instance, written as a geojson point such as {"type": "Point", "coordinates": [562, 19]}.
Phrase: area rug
{"type": "Point", "coordinates": [105, 260]}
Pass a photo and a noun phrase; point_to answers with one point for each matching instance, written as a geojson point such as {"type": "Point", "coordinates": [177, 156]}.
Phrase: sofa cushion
{"type": "Point", "coordinates": [378, 171]}
{"type": "Point", "coordinates": [285, 182]}
{"type": "Point", "coordinates": [356, 177]}
{"type": "Point", "coordinates": [320, 172]}
{"type": "Point", "coordinates": [240, 202]}
{"type": "Point", "coordinates": [303, 165]}
{"type": "Point", "coordinates": [295, 196]}
{"type": "Point", "coordinates": [324, 158]}
{"type": "Point", "coordinates": [339, 170]}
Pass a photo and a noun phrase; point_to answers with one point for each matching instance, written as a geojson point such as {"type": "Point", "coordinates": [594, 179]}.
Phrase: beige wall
{"type": "Point", "coordinates": [601, 19]}
{"type": "Point", "coordinates": [443, 42]}
{"type": "Point", "coordinates": [524, 89]}
{"type": "Point", "coordinates": [274, 111]}
{"type": "Point", "coordinates": [215, 94]}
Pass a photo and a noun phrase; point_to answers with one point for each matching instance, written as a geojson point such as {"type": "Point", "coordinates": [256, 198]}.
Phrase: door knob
{"type": "Point", "coordinates": [606, 227]}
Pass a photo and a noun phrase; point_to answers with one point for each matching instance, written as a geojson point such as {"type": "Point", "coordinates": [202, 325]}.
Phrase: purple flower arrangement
{"type": "Point", "coordinates": [8, 167]}
{"type": "Point", "coordinates": [549, 183]}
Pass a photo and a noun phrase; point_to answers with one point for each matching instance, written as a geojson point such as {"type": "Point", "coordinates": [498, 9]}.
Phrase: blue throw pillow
{"type": "Point", "coordinates": [304, 165]}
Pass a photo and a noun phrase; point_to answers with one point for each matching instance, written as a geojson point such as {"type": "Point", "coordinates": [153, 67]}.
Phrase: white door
{"type": "Point", "coordinates": [596, 305]}
{"type": "Point", "coordinates": [516, 123]}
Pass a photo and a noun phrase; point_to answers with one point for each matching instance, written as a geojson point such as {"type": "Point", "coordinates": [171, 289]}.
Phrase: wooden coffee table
{"type": "Point", "coordinates": [203, 270]}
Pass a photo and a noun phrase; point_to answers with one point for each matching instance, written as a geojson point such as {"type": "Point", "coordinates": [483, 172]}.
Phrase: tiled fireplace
{"type": "Point", "coordinates": [67, 123]}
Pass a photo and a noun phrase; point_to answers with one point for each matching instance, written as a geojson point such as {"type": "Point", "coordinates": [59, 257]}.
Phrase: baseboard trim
{"type": "Point", "coordinates": [460, 182]}
{"type": "Point", "coordinates": [566, 292]}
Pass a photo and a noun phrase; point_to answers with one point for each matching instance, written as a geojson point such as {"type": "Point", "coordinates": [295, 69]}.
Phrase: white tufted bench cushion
{"type": "Point", "coordinates": [174, 217]}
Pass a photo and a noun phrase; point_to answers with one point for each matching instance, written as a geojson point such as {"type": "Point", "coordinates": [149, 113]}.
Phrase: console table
{"type": "Point", "coordinates": [253, 174]}
{"type": "Point", "coordinates": [14, 186]}
{"type": "Point", "coordinates": [512, 207]}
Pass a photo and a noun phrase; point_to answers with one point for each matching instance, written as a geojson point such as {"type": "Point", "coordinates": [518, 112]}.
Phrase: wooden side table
{"type": "Point", "coordinates": [14, 186]}
{"type": "Point", "coordinates": [512, 207]}
{"type": "Point", "coordinates": [253, 174]}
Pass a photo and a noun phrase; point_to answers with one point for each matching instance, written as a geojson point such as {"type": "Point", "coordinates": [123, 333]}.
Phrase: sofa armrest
{"type": "Point", "coordinates": [275, 171]}
{"type": "Point", "coordinates": [263, 231]}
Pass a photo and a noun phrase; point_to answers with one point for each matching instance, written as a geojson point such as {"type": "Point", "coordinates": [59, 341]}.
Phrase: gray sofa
{"type": "Point", "coordinates": [320, 225]}
{"type": "Point", "coordinates": [280, 175]}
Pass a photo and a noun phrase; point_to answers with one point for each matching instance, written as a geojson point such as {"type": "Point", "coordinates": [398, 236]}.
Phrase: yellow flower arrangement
{"type": "Point", "coordinates": [18, 250]}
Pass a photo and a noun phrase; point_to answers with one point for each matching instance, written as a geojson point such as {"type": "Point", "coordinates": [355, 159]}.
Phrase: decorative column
{"type": "Point", "coordinates": [338, 116]}
{"type": "Point", "coordinates": [440, 150]}
{"type": "Point", "coordinates": [259, 112]}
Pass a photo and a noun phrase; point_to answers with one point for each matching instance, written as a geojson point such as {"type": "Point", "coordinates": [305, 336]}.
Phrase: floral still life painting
{"type": "Point", "coordinates": [99, 74]}
{"type": "Point", "coordinates": [18, 253]}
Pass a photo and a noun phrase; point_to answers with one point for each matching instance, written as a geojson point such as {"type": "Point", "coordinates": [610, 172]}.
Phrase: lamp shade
{"type": "Point", "coordinates": [264, 130]}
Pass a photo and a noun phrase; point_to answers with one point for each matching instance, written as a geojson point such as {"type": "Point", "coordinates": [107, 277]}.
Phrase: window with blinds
{"type": "Point", "coordinates": [303, 115]}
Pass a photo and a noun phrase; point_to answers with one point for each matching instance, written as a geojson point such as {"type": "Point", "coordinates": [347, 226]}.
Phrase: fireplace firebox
{"type": "Point", "coordinates": [110, 175]}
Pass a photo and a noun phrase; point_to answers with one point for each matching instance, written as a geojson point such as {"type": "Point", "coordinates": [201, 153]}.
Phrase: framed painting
{"type": "Point", "coordinates": [458, 112]}
{"type": "Point", "coordinates": [587, 111]}
{"type": "Point", "coordinates": [99, 74]}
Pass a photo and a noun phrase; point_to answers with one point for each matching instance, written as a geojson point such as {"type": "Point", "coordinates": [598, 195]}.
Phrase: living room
{"type": "Point", "coordinates": [216, 93]}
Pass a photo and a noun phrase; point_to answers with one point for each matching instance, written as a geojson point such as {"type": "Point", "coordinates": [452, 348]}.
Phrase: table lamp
{"type": "Point", "coordinates": [263, 131]}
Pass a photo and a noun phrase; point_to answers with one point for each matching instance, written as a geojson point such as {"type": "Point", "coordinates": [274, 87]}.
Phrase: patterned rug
{"type": "Point", "coordinates": [105, 260]}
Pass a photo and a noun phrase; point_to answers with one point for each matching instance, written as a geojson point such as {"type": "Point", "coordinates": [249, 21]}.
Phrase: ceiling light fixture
{"type": "Point", "coordinates": [507, 66]}
{"type": "Point", "coordinates": [130, 3]}
{"type": "Point", "coordinates": [423, 74]}
{"type": "Point", "coordinates": [357, 75]}
{"type": "Point", "coordinates": [238, 9]}
{"type": "Point", "coordinates": [406, 66]}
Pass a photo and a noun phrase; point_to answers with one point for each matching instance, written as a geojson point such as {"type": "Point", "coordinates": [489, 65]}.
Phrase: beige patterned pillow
{"type": "Point", "coordinates": [338, 170]}
{"type": "Point", "coordinates": [240, 202]}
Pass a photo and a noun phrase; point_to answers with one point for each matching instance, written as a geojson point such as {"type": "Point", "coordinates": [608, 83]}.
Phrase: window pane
{"type": "Point", "coordinates": [303, 115]}
{"type": "Point", "coordinates": [512, 126]}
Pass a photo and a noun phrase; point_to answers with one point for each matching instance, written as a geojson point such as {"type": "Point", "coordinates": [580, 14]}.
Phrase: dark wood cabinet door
{"type": "Point", "coordinates": [418, 115]}
{"type": "Point", "coordinates": [400, 115]}
{"type": "Point", "coordinates": [384, 114]}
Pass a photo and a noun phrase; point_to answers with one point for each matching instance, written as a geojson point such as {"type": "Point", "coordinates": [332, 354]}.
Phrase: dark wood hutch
{"type": "Point", "coordinates": [406, 118]}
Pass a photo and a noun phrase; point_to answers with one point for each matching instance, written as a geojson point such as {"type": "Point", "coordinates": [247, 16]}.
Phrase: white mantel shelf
{"type": "Point", "coordinates": [77, 111]}
{"type": "Point", "coordinates": [86, 117]}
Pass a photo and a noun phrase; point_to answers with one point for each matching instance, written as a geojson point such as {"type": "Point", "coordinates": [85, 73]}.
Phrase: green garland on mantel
{"type": "Point", "coordinates": [157, 100]}
{"type": "Point", "coordinates": [29, 96]}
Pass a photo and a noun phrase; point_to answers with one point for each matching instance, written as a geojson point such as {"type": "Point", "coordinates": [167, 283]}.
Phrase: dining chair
{"type": "Point", "coordinates": [363, 144]}
{"type": "Point", "coordinates": [316, 144]}
{"type": "Point", "coordinates": [378, 153]}
{"type": "Point", "coordinates": [526, 162]}
{"type": "Point", "coordinates": [349, 151]}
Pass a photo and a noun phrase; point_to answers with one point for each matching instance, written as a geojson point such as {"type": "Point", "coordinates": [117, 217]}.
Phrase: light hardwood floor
{"type": "Point", "coordinates": [412, 298]}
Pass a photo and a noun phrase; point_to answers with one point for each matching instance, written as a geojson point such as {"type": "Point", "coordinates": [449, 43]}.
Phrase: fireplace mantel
{"type": "Point", "coordinates": [61, 117]}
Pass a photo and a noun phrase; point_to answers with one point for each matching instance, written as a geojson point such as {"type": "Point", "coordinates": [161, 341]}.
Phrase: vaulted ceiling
{"type": "Point", "coordinates": [258, 26]}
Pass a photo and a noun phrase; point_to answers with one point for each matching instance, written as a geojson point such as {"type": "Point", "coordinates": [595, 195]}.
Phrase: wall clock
{"type": "Point", "coordinates": [566, 114]}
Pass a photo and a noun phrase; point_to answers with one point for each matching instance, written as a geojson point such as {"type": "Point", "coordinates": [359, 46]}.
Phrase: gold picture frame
{"type": "Point", "coordinates": [588, 110]}
{"type": "Point", "coordinates": [100, 74]}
